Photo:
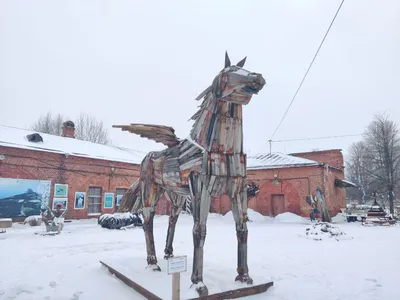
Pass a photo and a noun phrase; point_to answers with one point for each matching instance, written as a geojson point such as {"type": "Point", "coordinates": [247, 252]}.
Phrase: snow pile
{"type": "Point", "coordinates": [255, 216]}
{"type": "Point", "coordinates": [33, 220]}
{"type": "Point", "coordinates": [251, 214]}
{"type": "Point", "coordinates": [339, 218]}
{"type": "Point", "coordinates": [358, 206]}
{"type": "Point", "coordinates": [323, 230]}
{"type": "Point", "coordinates": [288, 217]}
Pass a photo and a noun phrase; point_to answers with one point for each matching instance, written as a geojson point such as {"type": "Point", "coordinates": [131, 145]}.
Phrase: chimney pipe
{"type": "Point", "coordinates": [68, 129]}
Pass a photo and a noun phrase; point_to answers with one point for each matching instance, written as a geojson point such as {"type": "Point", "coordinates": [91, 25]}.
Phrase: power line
{"type": "Point", "coordinates": [317, 138]}
{"type": "Point", "coordinates": [305, 75]}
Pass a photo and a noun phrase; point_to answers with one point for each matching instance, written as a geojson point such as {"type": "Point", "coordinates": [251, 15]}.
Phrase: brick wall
{"type": "Point", "coordinates": [79, 173]}
{"type": "Point", "coordinates": [331, 157]}
{"type": "Point", "coordinates": [295, 184]}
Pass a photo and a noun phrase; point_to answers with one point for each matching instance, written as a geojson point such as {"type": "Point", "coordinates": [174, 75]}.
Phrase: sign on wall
{"type": "Point", "coordinates": [119, 197]}
{"type": "Point", "coordinates": [79, 202]}
{"type": "Point", "coordinates": [60, 190]}
{"type": "Point", "coordinates": [63, 201]}
{"type": "Point", "coordinates": [23, 197]}
{"type": "Point", "coordinates": [108, 200]}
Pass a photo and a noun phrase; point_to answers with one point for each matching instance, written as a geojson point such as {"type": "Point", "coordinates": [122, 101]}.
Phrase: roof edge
{"type": "Point", "coordinates": [283, 166]}
{"type": "Point", "coordinates": [17, 146]}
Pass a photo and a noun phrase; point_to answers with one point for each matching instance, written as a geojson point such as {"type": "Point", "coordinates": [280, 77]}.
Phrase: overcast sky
{"type": "Point", "coordinates": [146, 61]}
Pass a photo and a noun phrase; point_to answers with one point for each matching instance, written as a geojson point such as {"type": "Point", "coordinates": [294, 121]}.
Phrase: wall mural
{"type": "Point", "coordinates": [23, 197]}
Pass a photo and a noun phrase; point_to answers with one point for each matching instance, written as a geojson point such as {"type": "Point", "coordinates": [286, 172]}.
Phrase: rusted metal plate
{"type": "Point", "coordinates": [243, 292]}
{"type": "Point", "coordinates": [138, 288]}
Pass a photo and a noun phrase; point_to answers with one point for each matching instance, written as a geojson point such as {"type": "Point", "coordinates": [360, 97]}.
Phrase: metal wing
{"type": "Point", "coordinates": [157, 133]}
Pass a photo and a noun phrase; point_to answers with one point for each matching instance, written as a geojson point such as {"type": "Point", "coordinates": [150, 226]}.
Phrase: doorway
{"type": "Point", "coordinates": [278, 204]}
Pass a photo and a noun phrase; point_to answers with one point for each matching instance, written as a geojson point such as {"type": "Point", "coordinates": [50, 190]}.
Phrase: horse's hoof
{"type": "Point", "coordinates": [168, 256]}
{"type": "Point", "coordinates": [154, 267]}
{"type": "Point", "coordinates": [201, 289]}
{"type": "Point", "coordinates": [245, 278]}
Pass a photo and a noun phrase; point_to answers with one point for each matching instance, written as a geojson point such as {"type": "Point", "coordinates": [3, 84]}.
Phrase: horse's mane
{"type": "Point", "coordinates": [203, 105]}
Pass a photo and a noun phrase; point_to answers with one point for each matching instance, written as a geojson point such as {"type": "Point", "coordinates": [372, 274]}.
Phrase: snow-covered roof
{"type": "Point", "coordinates": [277, 160]}
{"type": "Point", "coordinates": [16, 137]}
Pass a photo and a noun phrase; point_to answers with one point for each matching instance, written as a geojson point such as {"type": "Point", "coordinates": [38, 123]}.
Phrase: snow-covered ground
{"type": "Point", "coordinates": [67, 266]}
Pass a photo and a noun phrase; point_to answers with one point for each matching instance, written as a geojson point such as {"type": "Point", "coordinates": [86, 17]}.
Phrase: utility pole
{"type": "Point", "coordinates": [270, 146]}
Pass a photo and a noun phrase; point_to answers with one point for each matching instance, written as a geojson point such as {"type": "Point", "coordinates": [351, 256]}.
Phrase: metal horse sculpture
{"type": "Point", "coordinates": [209, 163]}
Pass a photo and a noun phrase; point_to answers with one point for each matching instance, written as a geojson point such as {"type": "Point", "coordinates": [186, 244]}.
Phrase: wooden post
{"type": "Point", "coordinates": [175, 266]}
{"type": "Point", "coordinates": [176, 286]}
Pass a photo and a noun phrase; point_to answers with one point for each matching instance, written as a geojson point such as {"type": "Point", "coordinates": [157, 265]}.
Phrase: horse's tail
{"type": "Point", "coordinates": [131, 201]}
{"type": "Point", "coordinates": [157, 133]}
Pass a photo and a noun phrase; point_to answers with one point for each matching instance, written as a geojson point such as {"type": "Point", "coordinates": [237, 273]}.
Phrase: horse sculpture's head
{"type": "Point", "coordinates": [235, 84]}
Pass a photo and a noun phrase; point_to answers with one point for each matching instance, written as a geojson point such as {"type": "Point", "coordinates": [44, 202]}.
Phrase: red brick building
{"type": "Point", "coordinates": [45, 165]}
{"type": "Point", "coordinates": [285, 181]}
{"type": "Point", "coordinates": [32, 165]}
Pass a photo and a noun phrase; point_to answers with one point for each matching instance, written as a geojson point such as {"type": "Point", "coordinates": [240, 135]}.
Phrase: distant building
{"type": "Point", "coordinates": [285, 182]}
{"type": "Point", "coordinates": [86, 177]}
{"type": "Point", "coordinates": [90, 178]}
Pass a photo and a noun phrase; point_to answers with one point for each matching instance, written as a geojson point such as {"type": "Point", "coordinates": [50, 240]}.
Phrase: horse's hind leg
{"type": "Point", "coordinates": [176, 208]}
{"type": "Point", "coordinates": [239, 211]}
{"type": "Point", "coordinates": [150, 194]}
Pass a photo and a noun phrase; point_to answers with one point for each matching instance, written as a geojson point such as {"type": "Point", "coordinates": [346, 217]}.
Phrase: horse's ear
{"type": "Point", "coordinates": [241, 63]}
{"type": "Point", "coordinates": [227, 60]}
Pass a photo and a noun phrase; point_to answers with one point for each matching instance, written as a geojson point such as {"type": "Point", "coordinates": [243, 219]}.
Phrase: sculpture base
{"type": "Point", "coordinates": [133, 273]}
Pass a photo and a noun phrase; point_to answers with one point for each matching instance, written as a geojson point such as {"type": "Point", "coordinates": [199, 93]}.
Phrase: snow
{"type": "Point", "coordinates": [339, 218]}
{"type": "Point", "coordinates": [66, 266]}
{"type": "Point", "coordinates": [32, 218]}
{"type": "Point", "coordinates": [349, 183]}
{"type": "Point", "coordinates": [16, 137]}
{"type": "Point", "coordinates": [252, 215]}
{"type": "Point", "coordinates": [277, 160]}
{"type": "Point", "coordinates": [6, 219]}
{"type": "Point", "coordinates": [288, 217]}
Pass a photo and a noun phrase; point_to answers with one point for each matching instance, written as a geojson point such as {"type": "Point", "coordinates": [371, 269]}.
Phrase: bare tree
{"type": "Point", "coordinates": [358, 171]}
{"type": "Point", "coordinates": [383, 144]}
{"type": "Point", "coordinates": [87, 128]}
{"type": "Point", "coordinates": [49, 124]}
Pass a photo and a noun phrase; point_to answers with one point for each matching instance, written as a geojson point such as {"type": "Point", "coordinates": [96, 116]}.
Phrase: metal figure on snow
{"type": "Point", "coordinates": [207, 164]}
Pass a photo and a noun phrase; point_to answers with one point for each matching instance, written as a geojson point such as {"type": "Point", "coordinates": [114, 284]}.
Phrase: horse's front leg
{"type": "Point", "coordinates": [201, 201]}
{"type": "Point", "coordinates": [177, 204]}
{"type": "Point", "coordinates": [239, 211]}
{"type": "Point", "coordinates": [149, 205]}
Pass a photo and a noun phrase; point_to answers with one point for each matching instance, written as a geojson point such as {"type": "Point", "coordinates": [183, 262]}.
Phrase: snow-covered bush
{"type": "Point", "coordinates": [323, 230]}
{"type": "Point", "coordinates": [119, 220]}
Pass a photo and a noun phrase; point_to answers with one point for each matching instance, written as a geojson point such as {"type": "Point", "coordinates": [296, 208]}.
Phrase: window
{"type": "Point", "coordinates": [94, 201]}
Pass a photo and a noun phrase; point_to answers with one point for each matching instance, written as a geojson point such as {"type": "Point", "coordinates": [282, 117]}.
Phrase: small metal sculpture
{"type": "Point", "coordinates": [209, 163]}
{"type": "Point", "coordinates": [54, 220]}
